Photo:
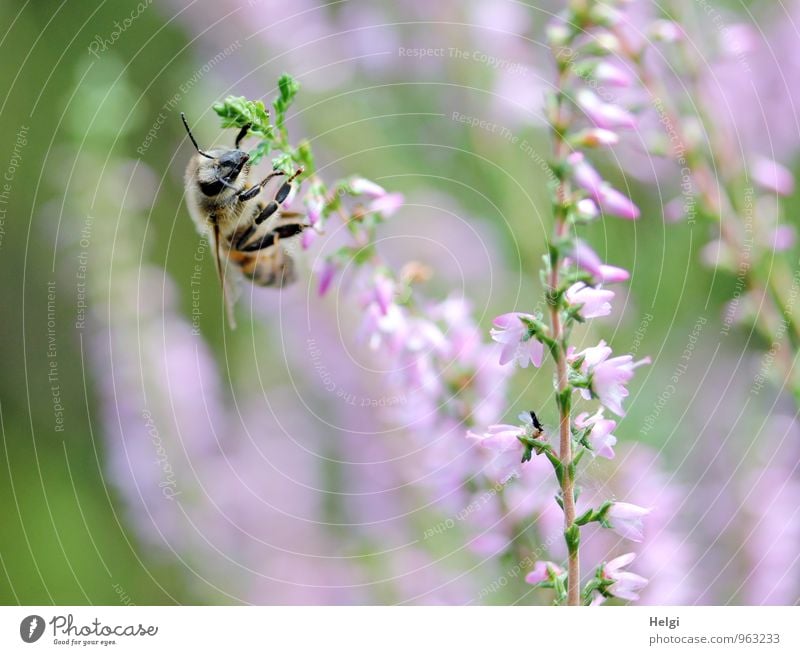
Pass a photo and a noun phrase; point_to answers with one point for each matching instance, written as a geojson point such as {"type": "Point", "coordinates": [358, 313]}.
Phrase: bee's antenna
{"type": "Point", "coordinates": [191, 136]}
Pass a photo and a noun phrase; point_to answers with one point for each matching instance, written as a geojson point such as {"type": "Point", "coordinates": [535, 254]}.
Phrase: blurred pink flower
{"type": "Point", "coordinates": [604, 114]}
{"type": "Point", "coordinates": [783, 238]}
{"type": "Point", "coordinates": [518, 343]}
{"type": "Point", "coordinates": [626, 520]}
{"type": "Point", "coordinates": [362, 186]}
{"type": "Point", "coordinates": [593, 302]}
{"type": "Point", "coordinates": [772, 176]}
{"type": "Point", "coordinates": [611, 74]}
{"type": "Point", "coordinates": [326, 276]}
{"type": "Point", "coordinates": [387, 204]}
{"type": "Point", "coordinates": [617, 203]}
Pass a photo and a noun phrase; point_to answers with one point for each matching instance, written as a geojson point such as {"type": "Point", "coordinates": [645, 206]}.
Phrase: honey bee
{"type": "Point", "coordinates": [249, 235]}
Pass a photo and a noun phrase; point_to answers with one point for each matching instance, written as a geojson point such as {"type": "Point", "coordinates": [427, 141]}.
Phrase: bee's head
{"type": "Point", "coordinates": [219, 169]}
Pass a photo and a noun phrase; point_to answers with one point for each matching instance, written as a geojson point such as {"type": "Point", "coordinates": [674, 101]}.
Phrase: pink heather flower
{"type": "Point", "coordinates": [625, 584]}
{"type": "Point", "coordinates": [503, 441]}
{"type": "Point", "coordinates": [384, 292]}
{"type": "Point", "coordinates": [362, 186]}
{"type": "Point", "coordinates": [379, 329]}
{"type": "Point", "coordinates": [600, 438]}
{"type": "Point", "coordinates": [587, 259]}
{"type": "Point", "coordinates": [604, 114]}
{"type": "Point", "coordinates": [593, 302]}
{"type": "Point", "coordinates": [771, 176]}
{"type": "Point", "coordinates": [739, 39]}
{"type": "Point", "coordinates": [326, 276]}
{"type": "Point", "coordinates": [609, 379]}
{"type": "Point", "coordinates": [596, 137]}
{"type": "Point", "coordinates": [500, 438]}
{"type": "Point", "coordinates": [610, 74]}
{"type": "Point", "coordinates": [308, 237]}
{"type": "Point", "coordinates": [617, 203]}
{"type": "Point", "coordinates": [608, 376]}
{"type": "Point", "coordinates": [783, 238]}
{"type": "Point", "coordinates": [666, 30]}
{"type": "Point", "coordinates": [315, 204]}
{"type": "Point", "coordinates": [387, 204]}
{"type": "Point", "coordinates": [517, 343]}
{"type": "Point", "coordinates": [541, 572]}
{"type": "Point", "coordinates": [587, 208]}
{"type": "Point", "coordinates": [584, 174]}
{"type": "Point", "coordinates": [626, 520]}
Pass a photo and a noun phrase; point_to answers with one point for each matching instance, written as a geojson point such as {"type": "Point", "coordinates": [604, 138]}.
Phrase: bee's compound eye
{"type": "Point", "coordinates": [234, 159]}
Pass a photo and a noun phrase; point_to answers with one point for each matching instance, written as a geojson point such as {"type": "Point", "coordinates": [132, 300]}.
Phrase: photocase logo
{"type": "Point", "coordinates": [31, 628]}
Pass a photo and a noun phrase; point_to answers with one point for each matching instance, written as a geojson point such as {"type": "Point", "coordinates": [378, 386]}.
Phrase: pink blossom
{"type": "Point", "coordinates": [593, 302]}
{"type": "Point", "coordinates": [387, 204]}
{"type": "Point", "coordinates": [771, 176]}
{"type": "Point", "coordinates": [608, 376]}
{"type": "Point", "coordinates": [625, 584]}
{"type": "Point", "coordinates": [326, 276]}
{"type": "Point", "coordinates": [626, 520]}
{"type": "Point", "coordinates": [362, 186]}
{"type": "Point", "coordinates": [595, 137]}
{"type": "Point", "coordinates": [604, 114]}
{"type": "Point", "coordinates": [667, 31]}
{"type": "Point", "coordinates": [380, 329]}
{"type": "Point", "coordinates": [584, 174]}
{"type": "Point", "coordinates": [617, 203]}
{"type": "Point", "coordinates": [315, 205]}
{"type": "Point", "coordinates": [587, 259]}
{"type": "Point", "coordinates": [611, 74]}
{"type": "Point", "coordinates": [384, 292]}
{"type": "Point", "coordinates": [587, 208]}
{"type": "Point", "coordinates": [609, 379]}
{"type": "Point", "coordinates": [542, 571]}
{"type": "Point", "coordinates": [783, 238]}
{"type": "Point", "coordinates": [518, 343]}
{"type": "Point", "coordinates": [600, 437]}
{"type": "Point", "coordinates": [503, 441]}
{"type": "Point", "coordinates": [308, 237]}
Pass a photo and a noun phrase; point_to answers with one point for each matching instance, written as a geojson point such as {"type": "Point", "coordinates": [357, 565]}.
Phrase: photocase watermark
{"type": "Point", "coordinates": [679, 371]}
{"type": "Point", "coordinates": [52, 359]}
{"type": "Point", "coordinates": [478, 56]}
{"type": "Point", "coordinates": [8, 177]}
{"type": "Point", "coordinates": [81, 295]}
{"type": "Point", "coordinates": [170, 105]}
{"type": "Point", "coordinates": [101, 44]}
{"type": "Point", "coordinates": [168, 484]}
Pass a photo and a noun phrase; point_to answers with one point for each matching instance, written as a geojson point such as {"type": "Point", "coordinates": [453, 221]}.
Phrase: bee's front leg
{"type": "Point", "coordinates": [253, 191]}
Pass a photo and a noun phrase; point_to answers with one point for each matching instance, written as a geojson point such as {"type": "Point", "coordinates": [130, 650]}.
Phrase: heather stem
{"type": "Point", "coordinates": [561, 227]}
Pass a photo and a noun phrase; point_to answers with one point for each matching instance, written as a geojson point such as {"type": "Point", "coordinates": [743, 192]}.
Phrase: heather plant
{"type": "Point", "coordinates": [438, 353]}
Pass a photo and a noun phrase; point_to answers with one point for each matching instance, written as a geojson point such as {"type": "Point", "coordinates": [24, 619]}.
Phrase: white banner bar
{"type": "Point", "coordinates": [400, 630]}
